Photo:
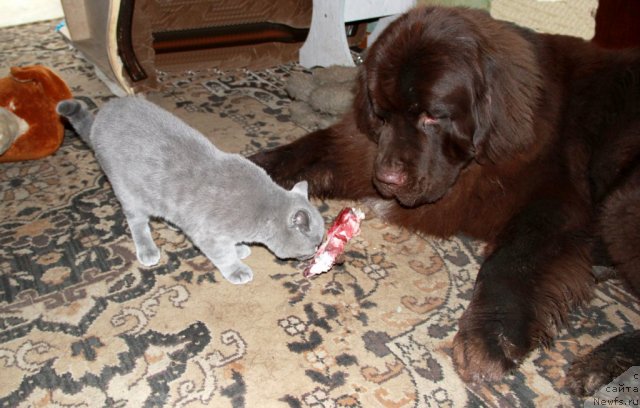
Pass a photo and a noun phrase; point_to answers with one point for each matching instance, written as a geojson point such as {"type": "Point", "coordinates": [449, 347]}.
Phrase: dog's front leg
{"type": "Point", "coordinates": [337, 162]}
{"type": "Point", "coordinates": [539, 270]}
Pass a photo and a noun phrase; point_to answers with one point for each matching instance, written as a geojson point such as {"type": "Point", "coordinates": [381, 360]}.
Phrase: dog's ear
{"type": "Point", "coordinates": [483, 121]}
{"type": "Point", "coordinates": [366, 119]}
{"type": "Point", "coordinates": [507, 94]}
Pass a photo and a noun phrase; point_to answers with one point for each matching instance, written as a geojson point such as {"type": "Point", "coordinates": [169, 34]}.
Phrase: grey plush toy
{"type": "Point", "coordinates": [160, 167]}
{"type": "Point", "coordinates": [321, 97]}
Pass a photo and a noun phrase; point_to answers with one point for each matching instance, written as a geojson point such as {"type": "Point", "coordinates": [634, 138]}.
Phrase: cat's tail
{"type": "Point", "coordinates": [79, 116]}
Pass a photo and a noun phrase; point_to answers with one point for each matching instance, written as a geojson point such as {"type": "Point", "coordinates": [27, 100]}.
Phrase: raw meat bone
{"type": "Point", "coordinates": [344, 227]}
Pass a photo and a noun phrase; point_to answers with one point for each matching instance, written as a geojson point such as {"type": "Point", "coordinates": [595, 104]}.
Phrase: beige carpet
{"type": "Point", "coordinates": [83, 325]}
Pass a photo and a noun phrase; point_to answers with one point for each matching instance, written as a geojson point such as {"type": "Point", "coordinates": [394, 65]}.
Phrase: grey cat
{"type": "Point", "coordinates": [161, 167]}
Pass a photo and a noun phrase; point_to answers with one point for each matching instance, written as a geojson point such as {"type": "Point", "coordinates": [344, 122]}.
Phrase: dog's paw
{"type": "Point", "coordinates": [587, 375]}
{"type": "Point", "coordinates": [591, 372]}
{"type": "Point", "coordinates": [483, 355]}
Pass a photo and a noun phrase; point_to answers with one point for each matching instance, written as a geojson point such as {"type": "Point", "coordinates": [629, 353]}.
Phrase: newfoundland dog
{"type": "Point", "coordinates": [530, 142]}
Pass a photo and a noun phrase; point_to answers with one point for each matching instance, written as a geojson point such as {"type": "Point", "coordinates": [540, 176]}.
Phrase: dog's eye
{"type": "Point", "coordinates": [381, 116]}
{"type": "Point", "coordinates": [425, 121]}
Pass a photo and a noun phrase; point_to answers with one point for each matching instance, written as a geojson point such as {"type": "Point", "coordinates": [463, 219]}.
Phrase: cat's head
{"type": "Point", "coordinates": [299, 227]}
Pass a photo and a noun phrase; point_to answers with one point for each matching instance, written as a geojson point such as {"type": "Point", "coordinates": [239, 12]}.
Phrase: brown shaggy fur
{"type": "Point", "coordinates": [531, 142]}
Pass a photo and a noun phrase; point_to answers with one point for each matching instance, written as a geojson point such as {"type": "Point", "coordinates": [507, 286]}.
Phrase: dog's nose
{"type": "Point", "coordinates": [391, 175]}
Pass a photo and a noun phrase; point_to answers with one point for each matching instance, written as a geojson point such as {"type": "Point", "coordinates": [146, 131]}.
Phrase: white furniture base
{"type": "Point", "coordinates": [326, 43]}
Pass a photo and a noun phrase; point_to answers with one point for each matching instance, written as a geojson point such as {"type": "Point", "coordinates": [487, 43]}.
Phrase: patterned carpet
{"type": "Point", "coordinates": [83, 324]}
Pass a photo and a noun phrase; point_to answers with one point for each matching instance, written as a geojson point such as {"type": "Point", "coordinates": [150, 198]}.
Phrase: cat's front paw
{"type": "Point", "coordinates": [148, 256]}
{"type": "Point", "coordinates": [239, 275]}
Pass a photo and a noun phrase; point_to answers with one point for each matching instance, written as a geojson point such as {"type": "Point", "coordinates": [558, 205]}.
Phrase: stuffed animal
{"type": "Point", "coordinates": [322, 97]}
{"type": "Point", "coordinates": [30, 128]}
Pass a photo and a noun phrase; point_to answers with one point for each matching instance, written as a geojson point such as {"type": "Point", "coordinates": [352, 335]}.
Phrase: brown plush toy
{"type": "Point", "coordinates": [30, 128]}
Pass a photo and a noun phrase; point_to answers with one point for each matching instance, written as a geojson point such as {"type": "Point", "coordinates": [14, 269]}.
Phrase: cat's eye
{"type": "Point", "coordinates": [301, 221]}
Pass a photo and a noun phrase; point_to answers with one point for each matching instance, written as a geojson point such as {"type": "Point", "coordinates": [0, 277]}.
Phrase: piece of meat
{"type": "Point", "coordinates": [344, 227]}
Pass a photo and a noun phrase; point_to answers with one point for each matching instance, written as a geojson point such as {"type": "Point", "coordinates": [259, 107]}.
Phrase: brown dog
{"type": "Point", "coordinates": [531, 142]}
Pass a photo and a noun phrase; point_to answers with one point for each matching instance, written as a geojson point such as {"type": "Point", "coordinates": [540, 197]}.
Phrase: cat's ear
{"type": "Point", "coordinates": [302, 188]}
{"type": "Point", "coordinates": [301, 221]}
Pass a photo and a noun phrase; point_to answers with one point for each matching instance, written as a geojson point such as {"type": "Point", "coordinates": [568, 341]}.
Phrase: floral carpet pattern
{"type": "Point", "coordinates": [83, 324]}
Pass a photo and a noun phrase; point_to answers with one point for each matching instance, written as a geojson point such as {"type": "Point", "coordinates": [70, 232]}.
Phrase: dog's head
{"type": "Point", "coordinates": [442, 89]}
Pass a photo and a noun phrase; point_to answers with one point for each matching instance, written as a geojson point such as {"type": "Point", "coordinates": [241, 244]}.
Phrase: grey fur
{"type": "Point", "coordinates": [160, 167]}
